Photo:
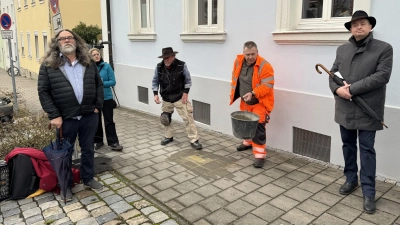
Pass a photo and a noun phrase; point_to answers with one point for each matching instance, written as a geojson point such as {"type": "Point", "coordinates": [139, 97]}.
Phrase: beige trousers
{"type": "Point", "coordinates": [186, 113]}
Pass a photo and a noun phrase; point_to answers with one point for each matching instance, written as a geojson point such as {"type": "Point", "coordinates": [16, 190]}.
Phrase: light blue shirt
{"type": "Point", "coordinates": [74, 73]}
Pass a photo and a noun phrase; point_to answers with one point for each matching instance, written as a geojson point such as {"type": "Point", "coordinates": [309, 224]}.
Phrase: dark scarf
{"type": "Point", "coordinates": [361, 42]}
{"type": "Point", "coordinates": [98, 63]}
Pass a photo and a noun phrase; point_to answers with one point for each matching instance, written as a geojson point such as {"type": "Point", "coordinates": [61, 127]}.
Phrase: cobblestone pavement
{"type": "Point", "coordinates": [216, 185]}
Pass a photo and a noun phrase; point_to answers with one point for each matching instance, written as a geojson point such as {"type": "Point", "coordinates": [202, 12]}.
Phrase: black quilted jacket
{"type": "Point", "coordinates": [57, 96]}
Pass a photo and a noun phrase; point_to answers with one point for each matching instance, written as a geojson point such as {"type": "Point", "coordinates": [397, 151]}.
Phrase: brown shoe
{"type": "Point", "coordinates": [258, 163]}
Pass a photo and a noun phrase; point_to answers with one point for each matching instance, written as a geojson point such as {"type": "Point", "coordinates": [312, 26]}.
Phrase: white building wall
{"type": "Point", "coordinates": [302, 96]}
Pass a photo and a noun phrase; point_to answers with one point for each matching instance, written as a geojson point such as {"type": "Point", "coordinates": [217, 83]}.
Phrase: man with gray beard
{"type": "Point", "coordinates": [71, 93]}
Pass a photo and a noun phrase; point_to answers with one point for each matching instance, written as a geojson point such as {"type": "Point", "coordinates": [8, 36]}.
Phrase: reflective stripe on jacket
{"type": "Point", "coordinates": [262, 83]}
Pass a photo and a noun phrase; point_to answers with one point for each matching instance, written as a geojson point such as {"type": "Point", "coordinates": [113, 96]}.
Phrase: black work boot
{"type": "Point", "coordinates": [347, 188]}
{"type": "Point", "coordinates": [98, 145]}
{"type": "Point", "coordinates": [369, 205]}
{"type": "Point", "coordinates": [196, 145]}
{"type": "Point", "coordinates": [166, 140]}
{"type": "Point", "coordinates": [243, 147]}
{"type": "Point", "coordinates": [258, 163]}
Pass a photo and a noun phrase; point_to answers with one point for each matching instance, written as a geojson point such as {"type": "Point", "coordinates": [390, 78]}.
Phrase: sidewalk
{"type": "Point", "coordinates": [175, 184]}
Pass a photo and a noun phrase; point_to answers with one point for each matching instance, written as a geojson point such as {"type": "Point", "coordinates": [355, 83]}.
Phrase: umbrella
{"type": "Point", "coordinates": [59, 154]}
{"type": "Point", "coordinates": [357, 99]}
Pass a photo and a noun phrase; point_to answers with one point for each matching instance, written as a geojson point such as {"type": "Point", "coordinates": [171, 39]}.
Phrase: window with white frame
{"type": "Point", "coordinates": [28, 38]}
{"type": "Point", "coordinates": [203, 21]}
{"type": "Point", "coordinates": [36, 45]}
{"type": "Point", "coordinates": [26, 3]}
{"type": "Point", "coordinates": [315, 22]}
{"type": "Point", "coordinates": [45, 41]}
{"type": "Point", "coordinates": [22, 45]}
{"type": "Point", "coordinates": [19, 4]}
{"type": "Point", "coordinates": [141, 20]}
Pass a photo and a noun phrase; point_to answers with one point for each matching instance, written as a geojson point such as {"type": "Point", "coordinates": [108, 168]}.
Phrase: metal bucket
{"type": "Point", "coordinates": [244, 124]}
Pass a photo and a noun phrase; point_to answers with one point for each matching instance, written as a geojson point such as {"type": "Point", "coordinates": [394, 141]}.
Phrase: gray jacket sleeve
{"type": "Point", "coordinates": [188, 79]}
{"type": "Point", "coordinates": [155, 83]}
{"type": "Point", "coordinates": [332, 84]}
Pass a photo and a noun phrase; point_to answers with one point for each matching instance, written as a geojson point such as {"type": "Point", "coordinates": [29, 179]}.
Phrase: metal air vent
{"type": "Point", "coordinates": [143, 94]}
{"type": "Point", "coordinates": [201, 112]}
{"type": "Point", "coordinates": [311, 144]}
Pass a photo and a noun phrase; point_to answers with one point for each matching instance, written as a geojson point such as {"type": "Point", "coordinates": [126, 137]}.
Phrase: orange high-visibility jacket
{"type": "Point", "coordinates": [262, 84]}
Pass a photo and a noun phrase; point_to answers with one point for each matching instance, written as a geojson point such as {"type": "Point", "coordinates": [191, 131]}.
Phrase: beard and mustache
{"type": "Point", "coordinates": [68, 49]}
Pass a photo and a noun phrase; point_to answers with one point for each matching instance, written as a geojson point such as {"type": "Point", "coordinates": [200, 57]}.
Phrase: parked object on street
{"type": "Point", "coordinates": [6, 109]}
{"type": "Point", "coordinates": [16, 70]}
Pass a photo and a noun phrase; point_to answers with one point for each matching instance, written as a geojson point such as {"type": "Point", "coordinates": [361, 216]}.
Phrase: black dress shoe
{"type": "Point", "coordinates": [116, 147]}
{"type": "Point", "coordinates": [196, 145]}
{"type": "Point", "coordinates": [258, 163]}
{"type": "Point", "coordinates": [347, 188]}
{"type": "Point", "coordinates": [167, 140]}
{"type": "Point", "coordinates": [98, 145]}
{"type": "Point", "coordinates": [369, 205]}
{"type": "Point", "coordinates": [243, 147]}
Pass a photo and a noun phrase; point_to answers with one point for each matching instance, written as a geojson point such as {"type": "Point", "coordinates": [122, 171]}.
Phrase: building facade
{"type": "Point", "coordinates": [37, 24]}
{"type": "Point", "coordinates": [292, 35]}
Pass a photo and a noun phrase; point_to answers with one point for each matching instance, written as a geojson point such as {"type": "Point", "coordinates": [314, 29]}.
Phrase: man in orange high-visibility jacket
{"type": "Point", "coordinates": [253, 82]}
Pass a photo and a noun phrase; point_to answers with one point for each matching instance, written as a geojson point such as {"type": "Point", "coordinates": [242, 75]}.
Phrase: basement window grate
{"type": "Point", "coordinates": [143, 94]}
{"type": "Point", "coordinates": [201, 112]}
{"type": "Point", "coordinates": [311, 144]}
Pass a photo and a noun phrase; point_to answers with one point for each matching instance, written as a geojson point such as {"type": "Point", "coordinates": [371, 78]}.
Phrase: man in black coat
{"type": "Point", "coordinates": [71, 93]}
{"type": "Point", "coordinates": [366, 65]}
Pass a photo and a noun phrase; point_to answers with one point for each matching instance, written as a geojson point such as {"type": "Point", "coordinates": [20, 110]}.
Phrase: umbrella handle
{"type": "Point", "coordinates": [59, 131]}
{"type": "Point", "coordinates": [324, 68]}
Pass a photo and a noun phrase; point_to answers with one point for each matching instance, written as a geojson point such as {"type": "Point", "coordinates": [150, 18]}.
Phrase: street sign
{"type": "Point", "coordinates": [54, 6]}
{"type": "Point", "coordinates": [5, 21]}
{"type": "Point", "coordinates": [7, 34]}
{"type": "Point", "coordinates": [57, 23]}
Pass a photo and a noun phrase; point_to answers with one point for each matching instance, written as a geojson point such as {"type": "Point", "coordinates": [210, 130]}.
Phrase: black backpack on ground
{"type": "Point", "coordinates": [23, 178]}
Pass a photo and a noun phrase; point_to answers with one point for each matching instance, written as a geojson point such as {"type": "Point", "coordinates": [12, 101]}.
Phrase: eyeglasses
{"type": "Point", "coordinates": [69, 38]}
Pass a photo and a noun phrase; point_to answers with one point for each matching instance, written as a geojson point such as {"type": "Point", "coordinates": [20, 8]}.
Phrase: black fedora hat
{"type": "Point", "coordinates": [168, 51]}
{"type": "Point", "coordinates": [360, 15]}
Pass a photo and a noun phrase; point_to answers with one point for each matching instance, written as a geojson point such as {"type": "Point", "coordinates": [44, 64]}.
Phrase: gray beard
{"type": "Point", "coordinates": [66, 50]}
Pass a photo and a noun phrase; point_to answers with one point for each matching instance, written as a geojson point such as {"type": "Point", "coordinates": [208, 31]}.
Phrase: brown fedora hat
{"type": "Point", "coordinates": [168, 51]}
{"type": "Point", "coordinates": [357, 15]}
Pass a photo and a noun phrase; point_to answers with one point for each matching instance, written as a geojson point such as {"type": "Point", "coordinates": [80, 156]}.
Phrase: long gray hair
{"type": "Point", "coordinates": [52, 56]}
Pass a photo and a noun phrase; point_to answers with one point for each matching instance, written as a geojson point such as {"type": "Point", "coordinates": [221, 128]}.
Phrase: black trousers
{"type": "Point", "coordinates": [109, 125]}
{"type": "Point", "coordinates": [261, 137]}
{"type": "Point", "coordinates": [366, 140]}
{"type": "Point", "coordinates": [84, 129]}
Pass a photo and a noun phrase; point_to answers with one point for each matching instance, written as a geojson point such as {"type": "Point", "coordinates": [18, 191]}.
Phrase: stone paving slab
{"type": "Point", "coordinates": [174, 184]}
